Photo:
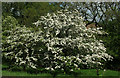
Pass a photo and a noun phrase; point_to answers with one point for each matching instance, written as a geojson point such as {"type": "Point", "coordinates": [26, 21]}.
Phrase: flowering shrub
{"type": "Point", "coordinates": [22, 47]}
{"type": "Point", "coordinates": [63, 43]}
{"type": "Point", "coordinates": [69, 42]}
{"type": "Point", "coordinates": [8, 23]}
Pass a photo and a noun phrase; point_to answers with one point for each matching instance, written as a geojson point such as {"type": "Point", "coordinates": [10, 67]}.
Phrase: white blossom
{"type": "Point", "coordinates": [66, 42]}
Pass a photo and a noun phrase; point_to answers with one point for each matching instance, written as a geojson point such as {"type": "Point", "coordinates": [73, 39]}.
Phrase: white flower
{"type": "Point", "coordinates": [35, 59]}
{"type": "Point", "coordinates": [22, 62]}
{"type": "Point", "coordinates": [104, 69]}
{"type": "Point", "coordinates": [47, 68]}
{"type": "Point", "coordinates": [52, 69]}
{"type": "Point", "coordinates": [57, 32]}
{"type": "Point", "coordinates": [71, 70]}
{"type": "Point", "coordinates": [33, 66]}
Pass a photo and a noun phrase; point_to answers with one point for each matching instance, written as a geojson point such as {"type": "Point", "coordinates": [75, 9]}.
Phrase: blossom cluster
{"type": "Point", "coordinates": [21, 45]}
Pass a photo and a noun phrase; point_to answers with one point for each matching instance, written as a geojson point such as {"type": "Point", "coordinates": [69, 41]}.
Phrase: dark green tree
{"type": "Point", "coordinates": [28, 12]}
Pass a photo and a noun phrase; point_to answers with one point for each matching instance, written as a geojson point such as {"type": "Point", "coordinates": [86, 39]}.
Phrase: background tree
{"type": "Point", "coordinates": [94, 11]}
{"type": "Point", "coordinates": [26, 12]}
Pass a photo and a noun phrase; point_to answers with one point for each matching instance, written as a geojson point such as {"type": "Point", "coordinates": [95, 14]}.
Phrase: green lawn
{"type": "Point", "coordinates": [84, 72]}
{"type": "Point", "coordinates": [11, 73]}
{"type": "Point", "coordinates": [90, 72]}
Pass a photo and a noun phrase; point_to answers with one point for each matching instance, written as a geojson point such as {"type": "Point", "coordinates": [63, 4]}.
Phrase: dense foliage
{"type": "Point", "coordinates": [112, 41]}
{"type": "Point", "coordinates": [8, 23]}
{"type": "Point", "coordinates": [27, 12]}
{"type": "Point", "coordinates": [62, 43]}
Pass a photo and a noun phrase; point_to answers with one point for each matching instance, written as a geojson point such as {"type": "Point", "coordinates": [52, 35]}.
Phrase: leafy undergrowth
{"type": "Point", "coordinates": [82, 72]}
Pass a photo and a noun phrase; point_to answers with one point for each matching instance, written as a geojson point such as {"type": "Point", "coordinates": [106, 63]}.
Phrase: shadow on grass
{"type": "Point", "coordinates": [83, 73]}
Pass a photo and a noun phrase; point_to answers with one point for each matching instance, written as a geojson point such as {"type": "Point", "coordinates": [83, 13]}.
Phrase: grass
{"type": "Point", "coordinates": [92, 72]}
{"type": "Point", "coordinates": [82, 72]}
{"type": "Point", "coordinates": [11, 73]}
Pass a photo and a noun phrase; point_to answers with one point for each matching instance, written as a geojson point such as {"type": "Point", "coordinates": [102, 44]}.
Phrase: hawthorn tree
{"type": "Point", "coordinates": [62, 43]}
{"type": "Point", "coordinates": [69, 42]}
